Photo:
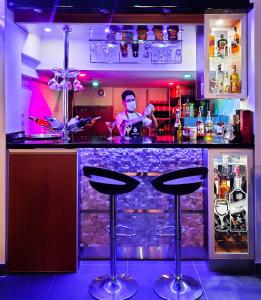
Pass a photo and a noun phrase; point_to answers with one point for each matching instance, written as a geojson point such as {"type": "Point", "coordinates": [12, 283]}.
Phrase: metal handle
{"type": "Point", "coordinates": [132, 234]}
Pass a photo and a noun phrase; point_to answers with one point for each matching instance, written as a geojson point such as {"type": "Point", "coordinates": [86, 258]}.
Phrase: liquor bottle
{"type": "Point", "coordinates": [200, 127]}
{"type": "Point", "coordinates": [135, 49]}
{"type": "Point", "coordinates": [235, 42]}
{"type": "Point", "coordinates": [124, 49]}
{"type": "Point", "coordinates": [219, 79]}
{"type": "Point", "coordinates": [191, 110]}
{"type": "Point", "coordinates": [41, 122]}
{"type": "Point", "coordinates": [216, 183]}
{"type": "Point", "coordinates": [227, 84]}
{"type": "Point", "coordinates": [222, 46]}
{"type": "Point", "coordinates": [237, 202]}
{"type": "Point", "coordinates": [234, 79]}
{"type": "Point", "coordinates": [211, 45]}
{"type": "Point", "coordinates": [176, 124]}
{"type": "Point", "coordinates": [179, 133]}
{"type": "Point", "coordinates": [209, 127]}
{"type": "Point", "coordinates": [224, 184]}
{"type": "Point", "coordinates": [75, 124]}
{"type": "Point", "coordinates": [187, 109]}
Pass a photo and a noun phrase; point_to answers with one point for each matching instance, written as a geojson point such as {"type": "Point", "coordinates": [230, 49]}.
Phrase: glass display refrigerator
{"type": "Point", "coordinates": [231, 208]}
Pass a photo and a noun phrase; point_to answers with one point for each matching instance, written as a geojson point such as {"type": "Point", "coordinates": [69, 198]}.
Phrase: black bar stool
{"type": "Point", "coordinates": [177, 183]}
{"type": "Point", "coordinates": [114, 286]}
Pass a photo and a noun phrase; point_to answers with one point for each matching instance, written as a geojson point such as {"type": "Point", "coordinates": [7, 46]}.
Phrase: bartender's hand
{"type": "Point", "coordinates": [91, 123]}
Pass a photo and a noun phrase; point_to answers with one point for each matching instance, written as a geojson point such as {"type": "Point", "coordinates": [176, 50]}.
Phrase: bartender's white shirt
{"type": "Point", "coordinates": [123, 117]}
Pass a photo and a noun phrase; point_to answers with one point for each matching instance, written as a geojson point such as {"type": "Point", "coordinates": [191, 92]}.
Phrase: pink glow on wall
{"type": "Point", "coordinates": [43, 102]}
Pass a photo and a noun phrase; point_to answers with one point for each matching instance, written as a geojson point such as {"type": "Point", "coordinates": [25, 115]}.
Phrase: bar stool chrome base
{"type": "Point", "coordinates": [168, 287]}
{"type": "Point", "coordinates": [103, 287]}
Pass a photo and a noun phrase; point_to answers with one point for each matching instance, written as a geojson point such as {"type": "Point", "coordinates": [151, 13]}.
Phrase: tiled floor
{"type": "Point", "coordinates": [74, 286]}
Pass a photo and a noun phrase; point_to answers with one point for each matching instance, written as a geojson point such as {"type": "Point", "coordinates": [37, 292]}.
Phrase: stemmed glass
{"type": "Point", "coordinates": [221, 208]}
{"type": "Point", "coordinates": [110, 126]}
{"type": "Point", "coordinates": [128, 127]}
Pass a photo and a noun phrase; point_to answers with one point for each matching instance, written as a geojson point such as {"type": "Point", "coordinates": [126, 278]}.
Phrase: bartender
{"type": "Point", "coordinates": [130, 116]}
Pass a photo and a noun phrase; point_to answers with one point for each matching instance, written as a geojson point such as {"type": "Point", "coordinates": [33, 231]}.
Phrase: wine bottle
{"type": "Point", "coordinates": [41, 122]}
{"type": "Point", "coordinates": [76, 124]}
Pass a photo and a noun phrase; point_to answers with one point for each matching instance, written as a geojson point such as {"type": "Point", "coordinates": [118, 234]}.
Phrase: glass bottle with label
{"type": "Point", "coordinates": [211, 45]}
{"type": "Point", "coordinates": [209, 127]}
{"type": "Point", "coordinates": [234, 80]}
{"type": "Point", "coordinates": [177, 122]}
{"type": "Point", "coordinates": [200, 127]}
{"type": "Point", "coordinates": [227, 84]}
{"type": "Point", "coordinates": [224, 184]}
{"type": "Point", "coordinates": [235, 42]}
{"type": "Point", "coordinates": [219, 79]}
{"type": "Point", "coordinates": [237, 203]}
{"type": "Point", "coordinates": [222, 46]}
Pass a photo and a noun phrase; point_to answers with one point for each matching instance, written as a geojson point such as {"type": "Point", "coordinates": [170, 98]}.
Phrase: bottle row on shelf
{"type": "Point", "coordinates": [230, 196]}
{"type": "Point", "coordinates": [226, 80]}
{"type": "Point", "coordinates": [54, 125]}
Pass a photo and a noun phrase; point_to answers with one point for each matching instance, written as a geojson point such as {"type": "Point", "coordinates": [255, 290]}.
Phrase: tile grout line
{"type": "Point", "coordinates": [50, 286]}
{"type": "Point", "coordinates": [200, 280]}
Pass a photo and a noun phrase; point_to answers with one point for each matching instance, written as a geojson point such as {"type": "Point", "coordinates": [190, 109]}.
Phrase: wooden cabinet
{"type": "Point", "coordinates": [225, 56]}
{"type": "Point", "coordinates": [42, 211]}
{"type": "Point", "coordinates": [99, 128]}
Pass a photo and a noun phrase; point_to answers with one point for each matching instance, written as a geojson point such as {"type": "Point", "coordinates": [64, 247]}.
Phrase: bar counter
{"type": "Point", "coordinates": [53, 171]}
{"type": "Point", "coordinates": [118, 142]}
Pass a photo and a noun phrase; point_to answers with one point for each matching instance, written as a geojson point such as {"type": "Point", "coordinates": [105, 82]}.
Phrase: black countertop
{"type": "Point", "coordinates": [118, 142]}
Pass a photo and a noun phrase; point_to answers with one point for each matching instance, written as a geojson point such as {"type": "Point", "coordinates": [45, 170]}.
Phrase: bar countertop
{"type": "Point", "coordinates": [118, 142]}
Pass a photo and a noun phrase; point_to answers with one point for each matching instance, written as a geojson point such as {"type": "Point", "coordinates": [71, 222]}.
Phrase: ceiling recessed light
{"type": "Point", "coordinates": [187, 76]}
{"type": "Point", "coordinates": [171, 83]}
{"type": "Point", "coordinates": [107, 29]}
{"type": "Point", "coordinates": [95, 83]}
{"type": "Point", "coordinates": [47, 29]}
{"type": "Point", "coordinates": [82, 75]}
{"type": "Point", "coordinates": [220, 22]}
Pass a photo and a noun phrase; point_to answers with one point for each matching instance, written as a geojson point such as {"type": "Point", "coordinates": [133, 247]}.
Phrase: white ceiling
{"type": "Point", "coordinates": [109, 77]}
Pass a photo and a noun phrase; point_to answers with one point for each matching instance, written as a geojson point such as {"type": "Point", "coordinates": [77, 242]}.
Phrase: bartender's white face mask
{"type": "Point", "coordinates": [130, 103]}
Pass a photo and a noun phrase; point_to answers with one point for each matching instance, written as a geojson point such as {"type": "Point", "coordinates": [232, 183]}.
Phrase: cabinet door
{"type": "Point", "coordinates": [231, 204]}
{"type": "Point", "coordinates": [225, 73]}
{"type": "Point", "coordinates": [42, 214]}
{"type": "Point", "coordinates": [105, 112]}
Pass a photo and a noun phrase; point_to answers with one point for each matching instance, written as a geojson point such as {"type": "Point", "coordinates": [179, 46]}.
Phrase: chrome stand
{"type": "Point", "coordinates": [177, 286]}
{"type": "Point", "coordinates": [113, 286]}
{"type": "Point", "coordinates": [66, 30]}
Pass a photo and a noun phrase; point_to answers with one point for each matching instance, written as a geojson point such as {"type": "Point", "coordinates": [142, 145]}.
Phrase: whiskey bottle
{"type": "Point", "coordinates": [211, 45]}
{"type": "Point", "coordinates": [200, 127]}
{"type": "Point", "coordinates": [235, 42]}
{"type": "Point", "coordinates": [234, 79]}
{"type": "Point", "coordinates": [222, 46]}
{"type": "Point", "coordinates": [224, 184]}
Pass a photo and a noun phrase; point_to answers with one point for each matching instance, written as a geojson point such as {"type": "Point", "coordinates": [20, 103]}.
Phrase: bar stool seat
{"type": "Point", "coordinates": [177, 183]}
{"type": "Point", "coordinates": [114, 286]}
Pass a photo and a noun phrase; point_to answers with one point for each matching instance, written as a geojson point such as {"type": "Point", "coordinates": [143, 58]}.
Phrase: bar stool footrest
{"type": "Point", "coordinates": [160, 231]}
{"type": "Point", "coordinates": [130, 231]}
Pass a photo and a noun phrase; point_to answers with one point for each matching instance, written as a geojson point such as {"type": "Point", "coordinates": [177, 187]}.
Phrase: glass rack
{"type": "Point", "coordinates": [136, 51]}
